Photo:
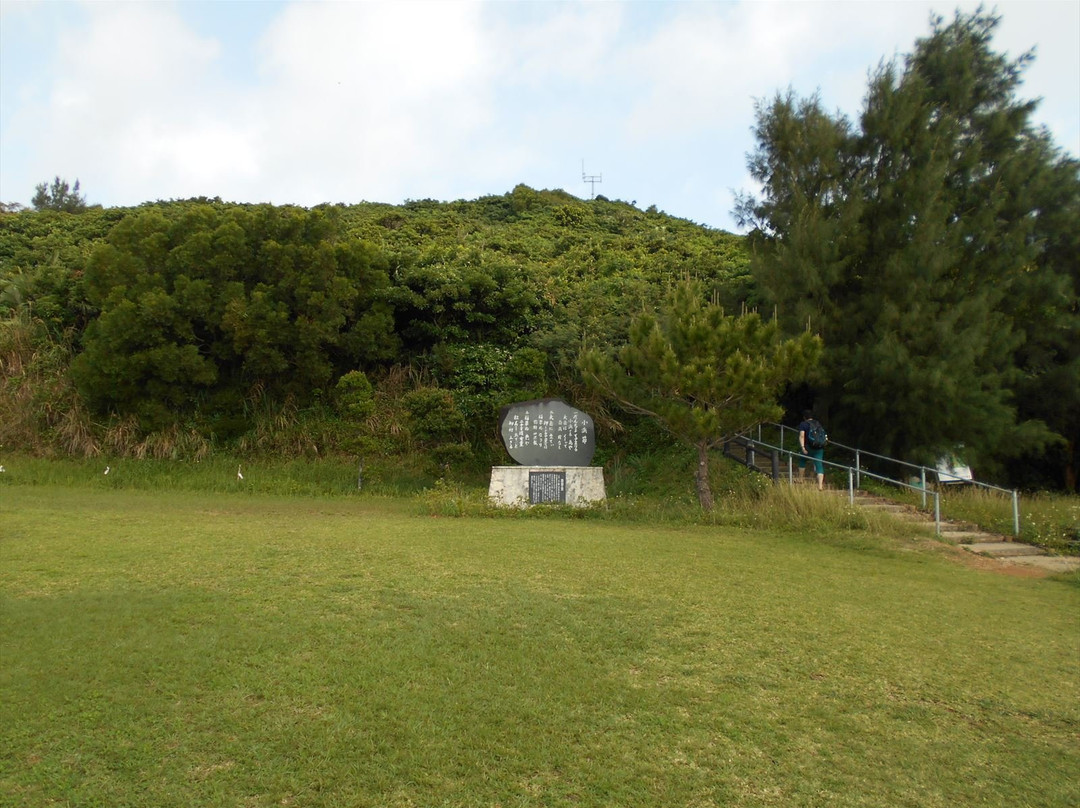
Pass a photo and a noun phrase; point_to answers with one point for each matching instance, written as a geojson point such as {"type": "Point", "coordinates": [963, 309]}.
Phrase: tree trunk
{"type": "Point", "coordinates": [701, 477]}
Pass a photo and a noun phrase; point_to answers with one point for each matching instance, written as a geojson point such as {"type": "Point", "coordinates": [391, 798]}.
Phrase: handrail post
{"type": "Point", "coordinates": [856, 473]}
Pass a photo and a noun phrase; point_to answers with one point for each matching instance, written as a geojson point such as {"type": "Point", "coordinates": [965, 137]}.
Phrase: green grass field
{"type": "Point", "coordinates": [235, 649]}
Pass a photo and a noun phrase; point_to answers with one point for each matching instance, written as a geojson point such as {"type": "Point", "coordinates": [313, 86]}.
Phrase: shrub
{"type": "Point", "coordinates": [434, 417]}
{"type": "Point", "coordinates": [354, 396]}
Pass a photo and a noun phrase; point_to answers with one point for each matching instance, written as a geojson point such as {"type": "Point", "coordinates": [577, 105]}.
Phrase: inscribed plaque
{"type": "Point", "coordinates": [547, 486]}
{"type": "Point", "coordinates": [547, 432]}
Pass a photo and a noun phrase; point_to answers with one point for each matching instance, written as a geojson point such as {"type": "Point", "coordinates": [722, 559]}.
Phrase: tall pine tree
{"type": "Point", "coordinates": [906, 242]}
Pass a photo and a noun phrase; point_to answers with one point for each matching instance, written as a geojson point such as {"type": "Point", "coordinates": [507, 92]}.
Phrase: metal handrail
{"type": "Point", "coordinates": [851, 474]}
{"type": "Point", "coordinates": [921, 488]}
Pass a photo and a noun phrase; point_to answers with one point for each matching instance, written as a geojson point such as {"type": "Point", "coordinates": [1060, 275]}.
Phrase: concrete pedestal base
{"type": "Point", "coordinates": [523, 486]}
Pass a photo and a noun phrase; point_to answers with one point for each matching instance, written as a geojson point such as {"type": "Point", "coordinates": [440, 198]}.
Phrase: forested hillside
{"type": "Point", "coordinates": [178, 327]}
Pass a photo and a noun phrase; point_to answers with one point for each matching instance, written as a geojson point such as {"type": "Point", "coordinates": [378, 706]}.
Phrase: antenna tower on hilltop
{"type": "Point", "coordinates": [592, 179]}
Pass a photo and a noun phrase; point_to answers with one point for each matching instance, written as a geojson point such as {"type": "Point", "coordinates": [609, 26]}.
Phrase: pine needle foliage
{"type": "Point", "coordinates": [702, 374]}
{"type": "Point", "coordinates": [921, 239]}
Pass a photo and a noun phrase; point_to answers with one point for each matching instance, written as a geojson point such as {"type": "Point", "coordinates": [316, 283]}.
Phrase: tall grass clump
{"type": "Point", "coordinates": [39, 407]}
{"type": "Point", "coordinates": [785, 507]}
{"type": "Point", "coordinates": [1048, 520]}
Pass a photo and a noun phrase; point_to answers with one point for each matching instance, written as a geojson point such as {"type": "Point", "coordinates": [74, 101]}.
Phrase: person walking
{"type": "Point", "coordinates": [812, 440]}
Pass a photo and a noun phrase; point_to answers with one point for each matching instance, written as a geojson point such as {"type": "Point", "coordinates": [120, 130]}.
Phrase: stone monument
{"type": "Point", "coordinates": [554, 443]}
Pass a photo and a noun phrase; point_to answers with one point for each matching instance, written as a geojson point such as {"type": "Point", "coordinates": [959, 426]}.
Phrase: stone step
{"type": "Point", "coordinates": [969, 537]}
{"type": "Point", "coordinates": [1049, 563]}
{"type": "Point", "coordinates": [883, 506]}
{"type": "Point", "coordinates": [893, 508]}
{"type": "Point", "coordinates": [972, 537]}
{"type": "Point", "coordinates": [954, 531]}
{"type": "Point", "coordinates": [1002, 549]}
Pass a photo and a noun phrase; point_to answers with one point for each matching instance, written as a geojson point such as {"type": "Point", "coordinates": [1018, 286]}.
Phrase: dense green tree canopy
{"type": "Point", "coordinates": [201, 305]}
{"type": "Point", "coordinates": [915, 241]}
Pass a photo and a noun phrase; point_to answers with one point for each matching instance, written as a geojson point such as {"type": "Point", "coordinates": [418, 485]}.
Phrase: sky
{"type": "Point", "coordinates": [313, 102]}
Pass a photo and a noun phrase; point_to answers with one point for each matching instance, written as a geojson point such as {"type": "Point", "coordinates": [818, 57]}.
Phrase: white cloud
{"type": "Point", "coordinates": [555, 43]}
{"type": "Point", "coordinates": [193, 158]}
{"type": "Point", "coordinates": [134, 103]}
{"type": "Point", "coordinates": [705, 63]}
{"type": "Point", "coordinates": [342, 101]}
{"type": "Point", "coordinates": [358, 99]}
{"type": "Point", "coordinates": [399, 52]}
{"type": "Point", "coordinates": [353, 101]}
{"type": "Point", "coordinates": [1054, 29]}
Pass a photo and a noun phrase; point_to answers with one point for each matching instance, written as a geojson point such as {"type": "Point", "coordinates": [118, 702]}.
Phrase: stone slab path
{"type": "Point", "coordinates": [975, 540]}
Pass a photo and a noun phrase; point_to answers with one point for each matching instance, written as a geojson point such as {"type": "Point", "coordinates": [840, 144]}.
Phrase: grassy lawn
{"type": "Point", "coordinates": [226, 649]}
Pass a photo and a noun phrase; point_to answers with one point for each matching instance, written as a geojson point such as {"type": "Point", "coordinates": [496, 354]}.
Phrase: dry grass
{"type": "Point", "coordinates": [40, 410]}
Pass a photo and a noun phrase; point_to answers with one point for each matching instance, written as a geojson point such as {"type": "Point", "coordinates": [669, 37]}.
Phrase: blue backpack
{"type": "Point", "coordinates": [816, 436]}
